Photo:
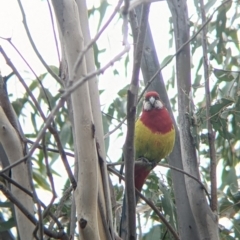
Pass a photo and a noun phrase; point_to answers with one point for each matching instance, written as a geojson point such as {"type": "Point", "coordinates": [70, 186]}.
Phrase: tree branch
{"type": "Point", "coordinates": [60, 235]}
{"type": "Point", "coordinates": [151, 204]}
{"type": "Point", "coordinates": [150, 70]}
{"type": "Point", "coordinates": [154, 76]}
{"type": "Point", "coordinates": [11, 65]}
{"type": "Point", "coordinates": [64, 96]}
{"type": "Point", "coordinates": [59, 225]}
{"type": "Point", "coordinates": [34, 46]}
{"type": "Point", "coordinates": [12, 140]}
{"type": "Point", "coordinates": [54, 31]}
{"type": "Point", "coordinates": [211, 133]}
{"type": "Point", "coordinates": [129, 155]}
{"type": "Point", "coordinates": [181, 48]}
{"type": "Point", "coordinates": [148, 164]}
{"type": "Point", "coordinates": [94, 40]}
{"type": "Point", "coordinates": [51, 128]}
{"type": "Point", "coordinates": [104, 201]}
{"type": "Point", "coordinates": [205, 220]}
{"type": "Point", "coordinates": [86, 193]}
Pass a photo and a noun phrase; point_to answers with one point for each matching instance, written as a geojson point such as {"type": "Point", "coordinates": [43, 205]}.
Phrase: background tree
{"type": "Point", "coordinates": [71, 138]}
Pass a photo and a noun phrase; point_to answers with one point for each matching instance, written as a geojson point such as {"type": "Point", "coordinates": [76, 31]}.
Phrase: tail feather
{"type": "Point", "coordinates": [141, 173]}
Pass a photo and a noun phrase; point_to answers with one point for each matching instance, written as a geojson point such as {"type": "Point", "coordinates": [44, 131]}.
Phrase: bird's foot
{"type": "Point", "coordinates": [145, 161]}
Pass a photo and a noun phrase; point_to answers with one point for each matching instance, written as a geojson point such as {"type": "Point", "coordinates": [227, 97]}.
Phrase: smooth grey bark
{"type": "Point", "coordinates": [186, 224]}
{"type": "Point", "coordinates": [6, 235]}
{"type": "Point", "coordinates": [86, 192]}
{"type": "Point", "coordinates": [205, 220]}
{"type": "Point", "coordinates": [12, 141]}
{"type": "Point", "coordinates": [104, 191]}
{"type": "Point", "coordinates": [89, 189]}
{"type": "Point", "coordinates": [65, 77]}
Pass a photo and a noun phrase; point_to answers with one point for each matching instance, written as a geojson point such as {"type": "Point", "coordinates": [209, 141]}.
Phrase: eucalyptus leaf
{"type": "Point", "coordinates": [6, 225]}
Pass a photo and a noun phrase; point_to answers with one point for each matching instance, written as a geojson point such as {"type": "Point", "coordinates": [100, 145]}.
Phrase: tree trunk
{"type": "Point", "coordinates": [206, 221]}
{"type": "Point", "coordinates": [11, 138]}
{"type": "Point", "coordinates": [104, 191]}
{"type": "Point", "coordinates": [93, 215]}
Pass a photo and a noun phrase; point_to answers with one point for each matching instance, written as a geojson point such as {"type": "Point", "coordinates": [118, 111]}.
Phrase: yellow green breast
{"type": "Point", "coordinates": [152, 145]}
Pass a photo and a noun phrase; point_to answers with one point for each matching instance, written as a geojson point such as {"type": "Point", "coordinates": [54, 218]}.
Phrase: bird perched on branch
{"type": "Point", "coordinates": [154, 136]}
{"type": "Point", "coordinates": [154, 140]}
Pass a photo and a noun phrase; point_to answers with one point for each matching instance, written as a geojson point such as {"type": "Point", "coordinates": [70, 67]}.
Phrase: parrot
{"type": "Point", "coordinates": [153, 140]}
{"type": "Point", "coordinates": [154, 136]}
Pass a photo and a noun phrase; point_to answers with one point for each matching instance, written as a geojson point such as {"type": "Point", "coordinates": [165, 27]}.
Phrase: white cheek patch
{"type": "Point", "coordinates": [147, 106]}
{"type": "Point", "coordinates": [158, 104]}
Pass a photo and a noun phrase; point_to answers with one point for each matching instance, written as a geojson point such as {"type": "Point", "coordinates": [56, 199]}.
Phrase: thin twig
{"type": "Point", "coordinates": [125, 22]}
{"type": "Point", "coordinates": [52, 129]}
{"type": "Point", "coordinates": [229, 207]}
{"type": "Point", "coordinates": [167, 166]}
{"type": "Point", "coordinates": [61, 102]}
{"type": "Point", "coordinates": [151, 204]}
{"type": "Point", "coordinates": [50, 149]}
{"type": "Point", "coordinates": [34, 46]}
{"type": "Point", "coordinates": [139, 226]}
{"type": "Point", "coordinates": [129, 223]}
{"type": "Point", "coordinates": [63, 156]}
{"type": "Point", "coordinates": [39, 81]}
{"type": "Point", "coordinates": [39, 225]}
{"type": "Point", "coordinates": [39, 137]}
{"type": "Point", "coordinates": [162, 67]}
{"type": "Point", "coordinates": [94, 40]}
{"type": "Point", "coordinates": [89, 76]}
{"type": "Point", "coordinates": [57, 235]}
{"type": "Point", "coordinates": [211, 133]}
{"type": "Point", "coordinates": [110, 116]}
{"type": "Point", "coordinates": [189, 175]}
{"type": "Point", "coordinates": [61, 203]}
{"type": "Point", "coordinates": [181, 48]}
{"type": "Point", "coordinates": [115, 129]}
{"type": "Point", "coordinates": [49, 174]}
{"type": "Point", "coordinates": [163, 219]}
{"type": "Point", "coordinates": [12, 66]}
{"type": "Point", "coordinates": [35, 233]}
{"type": "Point", "coordinates": [54, 31]}
{"type": "Point", "coordinates": [31, 195]}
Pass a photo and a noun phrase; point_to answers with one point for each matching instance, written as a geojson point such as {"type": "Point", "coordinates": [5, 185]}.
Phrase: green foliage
{"type": "Point", "coordinates": [40, 179]}
{"type": "Point", "coordinates": [223, 48]}
{"type": "Point", "coordinates": [4, 226]}
{"type": "Point", "coordinates": [218, 120]}
{"type": "Point", "coordinates": [154, 233]}
{"type": "Point", "coordinates": [223, 53]}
